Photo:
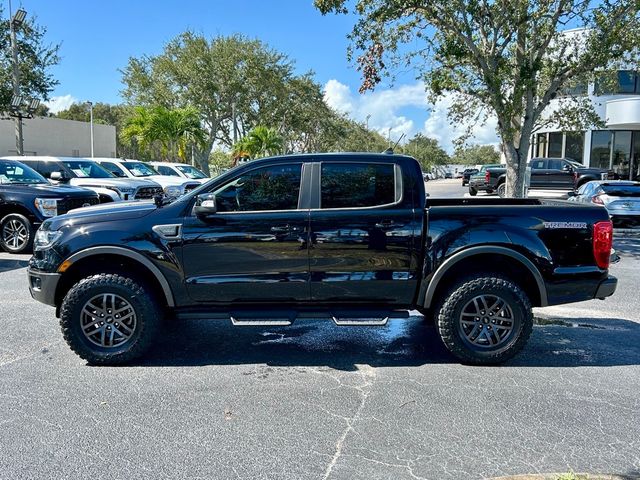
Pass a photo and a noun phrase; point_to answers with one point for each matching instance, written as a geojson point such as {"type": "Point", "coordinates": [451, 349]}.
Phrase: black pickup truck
{"type": "Point", "coordinates": [347, 237]}
{"type": "Point", "coordinates": [549, 174]}
{"type": "Point", "coordinates": [27, 199]}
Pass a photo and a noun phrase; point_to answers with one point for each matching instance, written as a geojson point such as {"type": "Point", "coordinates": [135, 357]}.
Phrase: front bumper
{"type": "Point", "coordinates": [42, 286]}
{"type": "Point", "coordinates": [606, 288]}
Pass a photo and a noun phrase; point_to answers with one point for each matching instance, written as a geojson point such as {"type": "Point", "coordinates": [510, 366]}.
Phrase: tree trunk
{"type": "Point", "coordinates": [516, 170]}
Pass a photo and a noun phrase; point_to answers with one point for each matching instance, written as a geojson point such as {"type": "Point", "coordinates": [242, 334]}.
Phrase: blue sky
{"type": "Point", "coordinates": [98, 37]}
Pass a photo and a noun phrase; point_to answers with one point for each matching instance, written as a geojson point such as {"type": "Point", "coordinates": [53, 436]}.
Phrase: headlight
{"type": "Point", "coordinates": [173, 191]}
{"type": "Point", "coordinates": [45, 239]}
{"type": "Point", "coordinates": [48, 207]}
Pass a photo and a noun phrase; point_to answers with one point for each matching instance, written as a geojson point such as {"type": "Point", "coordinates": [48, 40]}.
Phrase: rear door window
{"type": "Point", "coordinates": [538, 164]}
{"type": "Point", "coordinates": [357, 185]}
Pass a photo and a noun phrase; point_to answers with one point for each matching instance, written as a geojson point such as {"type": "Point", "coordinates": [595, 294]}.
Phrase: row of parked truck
{"type": "Point", "coordinates": [34, 188]}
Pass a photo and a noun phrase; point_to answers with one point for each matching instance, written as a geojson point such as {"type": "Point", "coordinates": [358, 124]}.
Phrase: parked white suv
{"type": "Point", "coordinates": [82, 172]}
{"type": "Point", "coordinates": [172, 186]}
{"type": "Point", "coordinates": [182, 170]}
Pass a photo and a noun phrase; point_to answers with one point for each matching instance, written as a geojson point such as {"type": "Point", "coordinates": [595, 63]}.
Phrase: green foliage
{"type": "Point", "coordinates": [220, 161]}
{"type": "Point", "coordinates": [260, 142]}
{"type": "Point", "coordinates": [168, 132]}
{"type": "Point", "coordinates": [505, 59]}
{"type": "Point", "coordinates": [427, 151]}
{"type": "Point", "coordinates": [476, 155]}
{"type": "Point", "coordinates": [35, 59]}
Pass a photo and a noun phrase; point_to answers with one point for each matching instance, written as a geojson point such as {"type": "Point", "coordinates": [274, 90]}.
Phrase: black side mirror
{"type": "Point", "coordinates": [572, 194]}
{"type": "Point", "coordinates": [205, 205]}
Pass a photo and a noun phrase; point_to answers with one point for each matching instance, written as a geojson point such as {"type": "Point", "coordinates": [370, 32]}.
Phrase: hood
{"type": "Point", "coordinates": [167, 181]}
{"type": "Point", "coordinates": [103, 213]}
{"type": "Point", "coordinates": [47, 190]}
{"type": "Point", "coordinates": [126, 183]}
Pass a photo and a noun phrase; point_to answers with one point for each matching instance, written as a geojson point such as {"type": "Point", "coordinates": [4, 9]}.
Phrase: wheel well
{"type": "Point", "coordinates": [511, 268]}
{"type": "Point", "coordinates": [13, 208]}
{"type": "Point", "coordinates": [109, 263]}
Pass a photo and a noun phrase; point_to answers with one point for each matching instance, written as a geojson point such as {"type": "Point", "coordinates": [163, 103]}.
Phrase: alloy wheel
{"type": "Point", "coordinates": [108, 320]}
{"type": "Point", "coordinates": [15, 234]}
{"type": "Point", "coordinates": [486, 321]}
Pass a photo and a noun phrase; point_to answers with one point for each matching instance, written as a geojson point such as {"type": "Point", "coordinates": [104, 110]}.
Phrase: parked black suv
{"type": "Point", "coordinates": [338, 236]}
{"type": "Point", "coordinates": [27, 199]}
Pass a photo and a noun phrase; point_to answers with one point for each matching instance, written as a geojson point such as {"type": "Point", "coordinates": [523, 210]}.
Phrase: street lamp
{"type": "Point", "coordinates": [91, 124]}
{"type": "Point", "coordinates": [16, 21]}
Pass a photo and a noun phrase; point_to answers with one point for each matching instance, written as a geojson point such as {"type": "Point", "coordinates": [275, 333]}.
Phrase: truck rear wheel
{"type": "Point", "coordinates": [485, 320]}
{"type": "Point", "coordinates": [108, 319]}
{"type": "Point", "coordinates": [502, 190]}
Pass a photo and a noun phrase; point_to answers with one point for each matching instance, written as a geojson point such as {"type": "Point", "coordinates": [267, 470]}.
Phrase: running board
{"type": "Point", "coordinates": [261, 322]}
{"type": "Point", "coordinates": [360, 321]}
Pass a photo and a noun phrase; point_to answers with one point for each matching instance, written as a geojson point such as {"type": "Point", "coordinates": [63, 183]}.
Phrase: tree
{"type": "Point", "coordinates": [427, 151]}
{"type": "Point", "coordinates": [172, 130]}
{"type": "Point", "coordinates": [505, 59]}
{"type": "Point", "coordinates": [476, 155]}
{"type": "Point", "coordinates": [35, 59]}
{"type": "Point", "coordinates": [218, 77]}
{"type": "Point", "coordinates": [260, 142]}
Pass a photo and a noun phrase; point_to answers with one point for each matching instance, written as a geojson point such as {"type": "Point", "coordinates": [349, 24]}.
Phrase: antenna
{"type": "Point", "coordinates": [391, 149]}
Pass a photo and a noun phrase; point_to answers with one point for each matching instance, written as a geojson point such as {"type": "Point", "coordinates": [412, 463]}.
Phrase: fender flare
{"type": "Point", "coordinates": [479, 250]}
{"type": "Point", "coordinates": [125, 252]}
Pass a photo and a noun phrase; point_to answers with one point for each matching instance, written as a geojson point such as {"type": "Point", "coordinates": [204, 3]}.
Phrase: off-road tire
{"type": "Point", "coordinates": [148, 319]}
{"type": "Point", "coordinates": [30, 231]}
{"type": "Point", "coordinates": [473, 191]}
{"type": "Point", "coordinates": [449, 315]}
{"type": "Point", "coordinates": [502, 190]}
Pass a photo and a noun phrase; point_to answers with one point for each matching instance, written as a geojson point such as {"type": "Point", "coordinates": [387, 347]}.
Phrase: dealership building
{"type": "Point", "coordinates": [618, 146]}
{"type": "Point", "coordinates": [58, 138]}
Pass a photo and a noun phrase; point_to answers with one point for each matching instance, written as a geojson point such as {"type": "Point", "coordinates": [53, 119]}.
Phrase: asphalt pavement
{"type": "Point", "coordinates": [319, 401]}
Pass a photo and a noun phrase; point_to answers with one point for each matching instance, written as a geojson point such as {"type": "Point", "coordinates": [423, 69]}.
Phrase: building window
{"type": "Point", "coordinates": [541, 150]}
{"type": "Point", "coordinates": [574, 146]}
{"type": "Point", "coordinates": [621, 152]}
{"type": "Point", "coordinates": [555, 144]}
{"type": "Point", "coordinates": [624, 82]}
{"type": "Point", "coordinates": [75, 153]}
{"type": "Point", "coordinates": [600, 148]}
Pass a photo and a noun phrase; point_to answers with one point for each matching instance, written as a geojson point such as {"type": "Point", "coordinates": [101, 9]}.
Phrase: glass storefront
{"type": "Point", "coordinates": [574, 146]}
{"type": "Point", "coordinates": [617, 150]}
{"type": "Point", "coordinates": [555, 145]}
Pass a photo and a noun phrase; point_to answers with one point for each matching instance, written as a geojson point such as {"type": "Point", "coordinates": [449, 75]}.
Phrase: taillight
{"type": "Point", "coordinates": [596, 199]}
{"type": "Point", "coordinates": [602, 242]}
{"type": "Point", "coordinates": [487, 176]}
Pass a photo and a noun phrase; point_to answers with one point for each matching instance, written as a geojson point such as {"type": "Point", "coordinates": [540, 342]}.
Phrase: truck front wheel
{"type": "Point", "coordinates": [485, 320]}
{"type": "Point", "coordinates": [108, 319]}
{"type": "Point", "coordinates": [473, 191]}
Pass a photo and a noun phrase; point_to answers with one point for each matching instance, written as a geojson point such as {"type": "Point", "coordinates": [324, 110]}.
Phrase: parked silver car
{"type": "Point", "coordinates": [621, 198]}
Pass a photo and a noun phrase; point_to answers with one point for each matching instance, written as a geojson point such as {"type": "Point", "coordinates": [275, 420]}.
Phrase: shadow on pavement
{"type": "Point", "coordinates": [406, 342]}
{"type": "Point", "coordinates": [627, 245]}
{"type": "Point", "coordinates": [6, 265]}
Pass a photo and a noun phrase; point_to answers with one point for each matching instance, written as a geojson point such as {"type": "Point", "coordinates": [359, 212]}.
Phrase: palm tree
{"type": "Point", "coordinates": [172, 129]}
{"type": "Point", "coordinates": [260, 142]}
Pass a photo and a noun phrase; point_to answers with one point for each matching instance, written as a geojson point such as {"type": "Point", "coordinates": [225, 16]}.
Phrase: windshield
{"type": "Point", "coordinates": [17, 173]}
{"type": "Point", "coordinates": [87, 169]}
{"type": "Point", "coordinates": [190, 172]}
{"type": "Point", "coordinates": [139, 169]}
{"type": "Point", "coordinates": [622, 190]}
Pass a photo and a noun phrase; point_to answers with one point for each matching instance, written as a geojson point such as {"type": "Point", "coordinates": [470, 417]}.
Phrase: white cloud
{"type": "Point", "coordinates": [62, 102]}
{"type": "Point", "coordinates": [382, 107]}
{"type": "Point", "coordinates": [385, 110]}
{"type": "Point", "coordinates": [438, 126]}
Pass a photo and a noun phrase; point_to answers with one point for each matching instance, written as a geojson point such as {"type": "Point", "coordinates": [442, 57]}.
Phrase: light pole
{"type": "Point", "coordinates": [366, 121]}
{"type": "Point", "coordinates": [91, 124]}
{"type": "Point", "coordinates": [17, 100]}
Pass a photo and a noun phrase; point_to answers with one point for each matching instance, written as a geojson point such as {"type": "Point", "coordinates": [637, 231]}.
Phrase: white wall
{"type": "Point", "coordinates": [57, 137]}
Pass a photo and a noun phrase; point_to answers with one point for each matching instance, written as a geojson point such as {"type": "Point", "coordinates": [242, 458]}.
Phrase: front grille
{"type": "Point", "coordinates": [145, 193]}
{"type": "Point", "coordinates": [70, 203]}
{"type": "Point", "coordinates": [191, 186]}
